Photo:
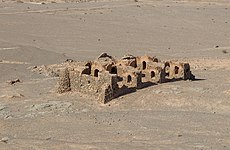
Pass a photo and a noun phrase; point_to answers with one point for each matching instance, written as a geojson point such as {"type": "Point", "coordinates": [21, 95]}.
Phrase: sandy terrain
{"type": "Point", "coordinates": [176, 115]}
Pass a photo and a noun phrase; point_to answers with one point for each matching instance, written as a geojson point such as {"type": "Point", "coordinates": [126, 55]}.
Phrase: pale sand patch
{"type": "Point", "coordinates": [209, 63]}
{"type": "Point", "coordinates": [227, 92]}
{"type": "Point", "coordinates": [8, 48]}
{"type": "Point", "coordinates": [13, 62]}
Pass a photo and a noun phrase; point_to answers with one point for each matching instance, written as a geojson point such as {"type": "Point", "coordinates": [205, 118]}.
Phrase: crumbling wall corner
{"type": "Point", "coordinates": [64, 81]}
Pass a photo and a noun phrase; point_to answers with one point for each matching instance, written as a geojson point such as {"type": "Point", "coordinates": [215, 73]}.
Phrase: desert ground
{"type": "Point", "coordinates": [173, 115]}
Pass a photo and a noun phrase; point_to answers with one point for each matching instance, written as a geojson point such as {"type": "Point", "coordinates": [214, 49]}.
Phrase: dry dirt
{"type": "Point", "coordinates": [176, 115]}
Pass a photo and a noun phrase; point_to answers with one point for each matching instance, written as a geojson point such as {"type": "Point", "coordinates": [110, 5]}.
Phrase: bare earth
{"type": "Point", "coordinates": [176, 115]}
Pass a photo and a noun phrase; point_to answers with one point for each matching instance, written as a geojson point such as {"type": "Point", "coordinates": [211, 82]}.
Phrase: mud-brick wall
{"type": "Point", "coordinates": [187, 72]}
{"type": "Point", "coordinates": [90, 85]}
{"type": "Point", "coordinates": [153, 74]}
{"type": "Point", "coordinates": [174, 70]}
{"type": "Point", "coordinates": [64, 81]}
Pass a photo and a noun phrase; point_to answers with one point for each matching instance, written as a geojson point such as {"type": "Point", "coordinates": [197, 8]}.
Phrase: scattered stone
{"type": "Point", "coordinates": [5, 139]}
{"type": "Point", "coordinates": [49, 138]}
{"type": "Point", "coordinates": [8, 117]}
{"type": "Point", "coordinates": [48, 71]}
{"type": "Point", "coordinates": [34, 67]}
{"type": "Point", "coordinates": [2, 108]}
{"type": "Point", "coordinates": [52, 105]}
{"type": "Point", "coordinates": [69, 60]}
{"type": "Point", "coordinates": [11, 82]}
{"type": "Point", "coordinates": [12, 96]}
{"type": "Point", "coordinates": [17, 96]}
{"type": "Point", "coordinates": [224, 51]}
{"type": "Point", "coordinates": [216, 46]}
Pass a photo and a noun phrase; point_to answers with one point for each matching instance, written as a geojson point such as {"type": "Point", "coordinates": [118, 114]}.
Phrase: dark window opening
{"type": "Point", "coordinates": [176, 70]}
{"type": "Point", "coordinates": [114, 70]}
{"type": "Point", "coordinates": [143, 65]}
{"type": "Point", "coordinates": [89, 68]}
{"type": "Point", "coordinates": [167, 64]}
{"type": "Point", "coordinates": [89, 65]}
{"type": "Point", "coordinates": [129, 79]}
{"type": "Point", "coordinates": [133, 64]}
{"type": "Point", "coordinates": [96, 72]}
{"type": "Point", "coordinates": [152, 74]}
{"type": "Point", "coordinates": [167, 67]}
{"type": "Point", "coordinates": [86, 71]}
{"type": "Point", "coordinates": [155, 60]}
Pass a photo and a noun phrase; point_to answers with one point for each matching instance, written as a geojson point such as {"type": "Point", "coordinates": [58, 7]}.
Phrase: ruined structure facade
{"type": "Point", "coordinates": [107, 78]}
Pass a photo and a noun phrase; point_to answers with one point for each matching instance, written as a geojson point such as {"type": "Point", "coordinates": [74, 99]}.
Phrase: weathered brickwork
{"type": "Point", "coordinates": [107, 78]}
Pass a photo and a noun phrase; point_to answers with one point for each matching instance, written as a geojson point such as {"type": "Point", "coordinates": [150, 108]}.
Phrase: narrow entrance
{"type": "Point", "coordinates": [129, 79]}
{"type": "Point", "coordinates": [96, 72]}
{"type": "Point", "coordinates": [152, 74]}
{"type": "Point", "coordinates": [114, 70]}
{"type": "Point", "coordinates": [143, 65]}
{"type": "Point", "coordinates": [176, 70]}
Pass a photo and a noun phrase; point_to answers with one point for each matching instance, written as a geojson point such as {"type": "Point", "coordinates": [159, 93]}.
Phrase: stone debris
{"type": "Point", "coordinates": [16, 95]}
{"type": "Point", "coordinates": [8, 117]}
{"type": "Point", "coordinates": [52, 105]}
{"type": "Point", "coordinates": [11, 82]}
{"type": "Point", "coordinates": [4, 111]}
{"type": "Point", "coordinates": [106, 78]}
{"type": "Point", "coordinates": [5, 139]}
{"type": "Point", "coordinates": [46, 70]}
{"type": "Point", "coordinates": [2, 107]}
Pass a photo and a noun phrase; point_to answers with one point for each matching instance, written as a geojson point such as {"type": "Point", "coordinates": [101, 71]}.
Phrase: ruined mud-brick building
{"type": "Point", "coordinates": [107, 78]}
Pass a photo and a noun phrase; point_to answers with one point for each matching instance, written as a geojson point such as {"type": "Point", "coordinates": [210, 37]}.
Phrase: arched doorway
{"type": "Point", "coordinates": [167, 68]}
{"type": "Point", "coordinates": [129, 79]}
{"type": "Point", "coordinates": [176, 70]}
{"type": "Point", "coordinates": [152, 74]}
{"type": "Point", "coordinates": [143, 65]}
{"type": "Point", "coordinates": [96, 71]}
{"type": "Point", "coordinates": [114, 70]}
